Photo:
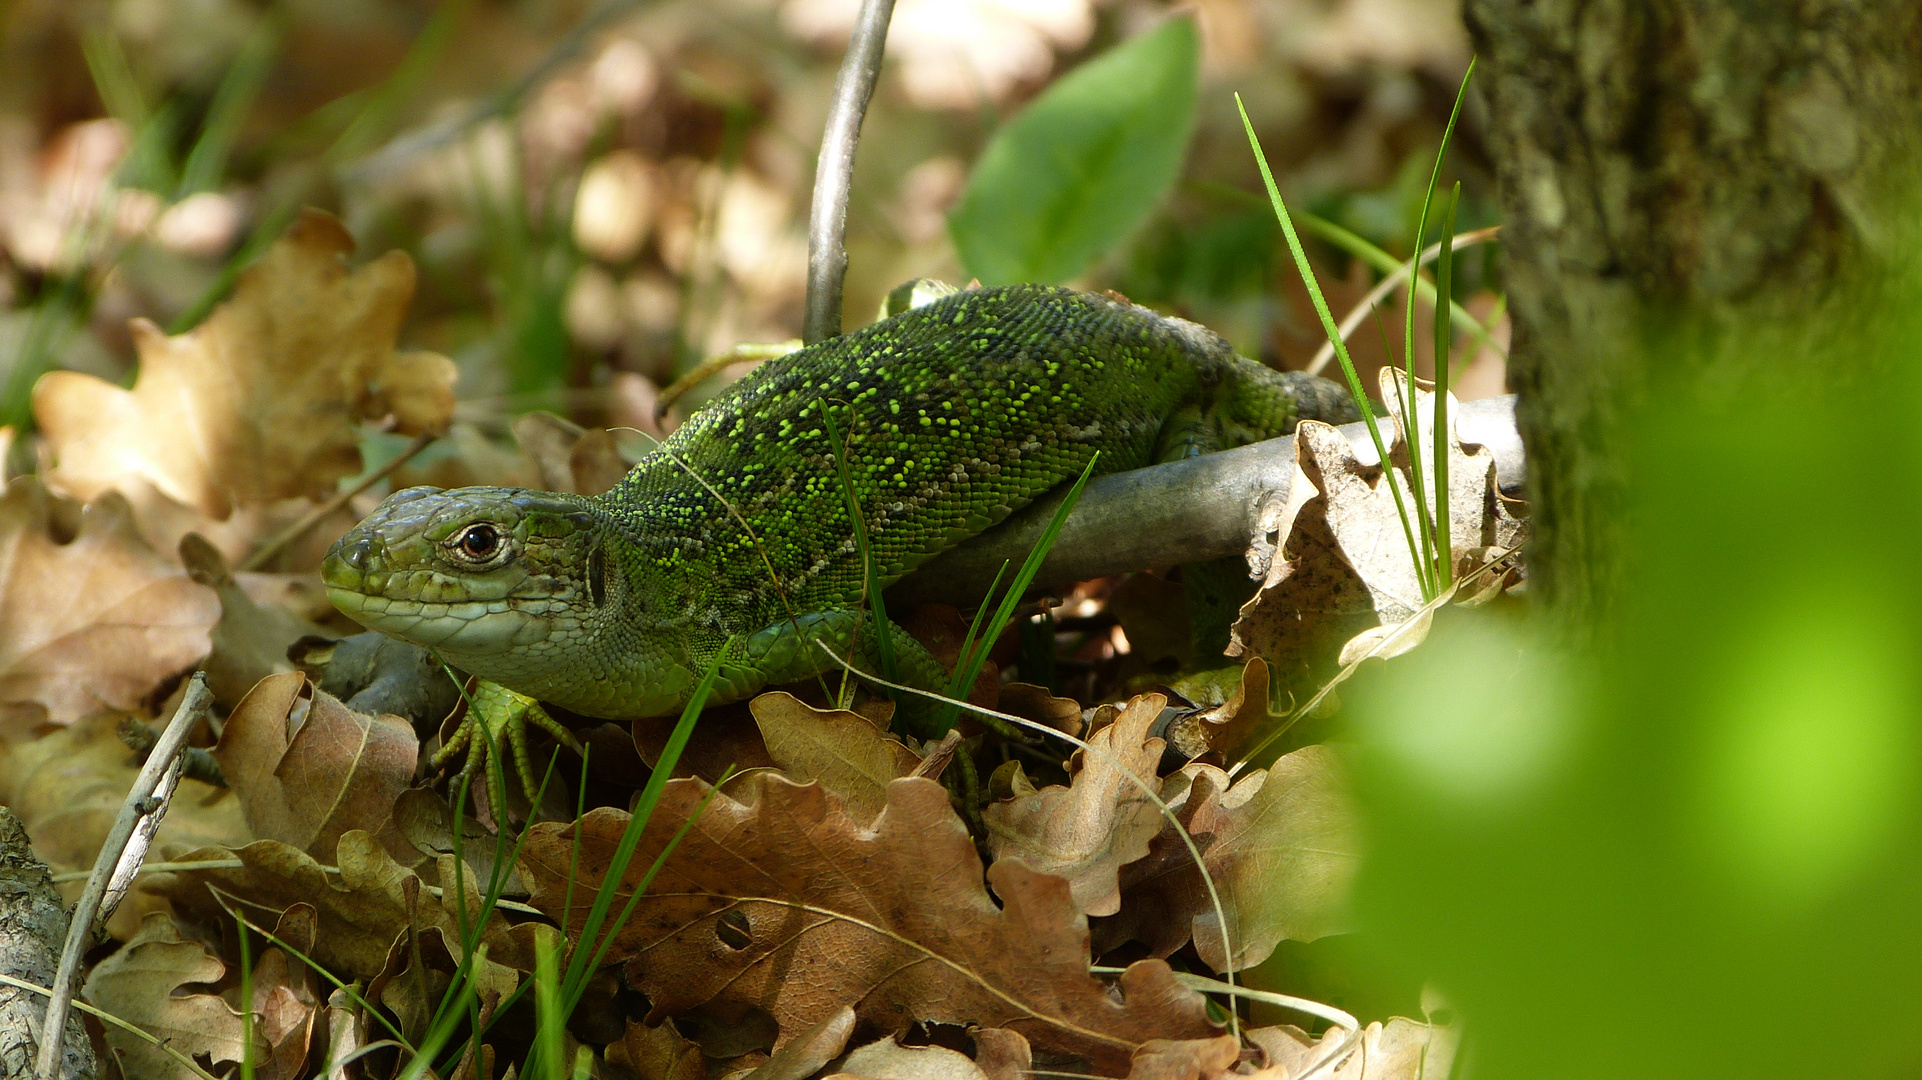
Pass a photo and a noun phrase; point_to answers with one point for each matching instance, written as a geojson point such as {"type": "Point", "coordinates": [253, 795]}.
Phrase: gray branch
{"type": "Point", "coordinates": [1165, 515]}
{"type": "Point", "coordinates": [834, 171]}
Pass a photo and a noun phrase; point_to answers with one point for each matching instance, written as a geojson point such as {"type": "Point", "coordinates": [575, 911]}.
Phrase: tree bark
{"type": "Point", "coordinates": [33, 923]}
{"type": "Point", "coordinates": [1676, 167]}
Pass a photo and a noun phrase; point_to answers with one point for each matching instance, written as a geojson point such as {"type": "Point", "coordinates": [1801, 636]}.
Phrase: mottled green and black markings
{"type": "Point", "coordinates": [953, 415]}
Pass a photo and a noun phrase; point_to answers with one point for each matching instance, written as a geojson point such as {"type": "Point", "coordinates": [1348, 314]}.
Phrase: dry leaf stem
{"type": "Point", "coordinates": [120, 856]}
{"type": "Point", "coordinates": [265, 553]}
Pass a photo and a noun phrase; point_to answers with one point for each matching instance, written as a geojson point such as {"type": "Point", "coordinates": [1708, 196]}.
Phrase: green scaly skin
{"type": "Point", "coordinates": [732, 538]}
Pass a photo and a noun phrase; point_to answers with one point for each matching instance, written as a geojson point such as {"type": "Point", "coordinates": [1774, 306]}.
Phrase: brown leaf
{"type": "Point", "coordinates": [1037, 703]}
{"type": "Point", "coordinates": [142, 984]}
{"type": "Point", "coordinates": [1345, 562]}
{"type": "Point", "coordinates": [887, 1059]}
{"type": "Point", "coordinates": [1002, 1054]}
{"type": "Point", "coordinates": [844, 751]}
{"type": "Point", "coordinates": [361, 909]}
{"type": "Point", "coordinates": [262, 400]}
{"type": "Point", "coordinates": [776, 878]}
{"type": "Point", "coordinates": [1402, 1049]}
{"type": "Point", "coordinates": [97, 622]}
{"type": "Point", "coordinates": [68, 785]}
{"type": "Point", "coordinates": [1185, 1059]}
{"type": "Point", "coordinates": [250, 642]}
{"type": "Point", "coordinates": [1234, 726]}
{"type": "Point", "coordinates": [284, 1001]}
{"type": "Point", "coordinates": [1086, 831]}
{"type": "Point", "coordinates": [307, 768]}
{"type": "Point", "coordinates": [1281, 849]}
{"type": "Point", "coordinates": [657, 1053]}
{"type": "Point", "coordinates": [805, 1054]}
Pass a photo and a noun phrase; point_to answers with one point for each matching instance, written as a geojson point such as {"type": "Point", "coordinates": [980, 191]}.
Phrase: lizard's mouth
{"type": "Point", "coordinates": [468, 627]}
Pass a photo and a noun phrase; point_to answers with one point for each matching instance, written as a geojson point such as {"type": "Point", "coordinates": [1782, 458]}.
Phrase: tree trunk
{"type": "Point", "coordinates": [1671, 163]}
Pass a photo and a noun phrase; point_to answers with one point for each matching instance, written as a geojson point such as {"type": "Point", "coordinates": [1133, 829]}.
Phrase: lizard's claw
{"type": "Point", "coordinates": [494, 712]}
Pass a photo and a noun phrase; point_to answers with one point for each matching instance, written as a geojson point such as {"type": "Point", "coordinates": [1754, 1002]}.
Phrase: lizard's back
{"type": "Point", "coordinates": [952, 416]}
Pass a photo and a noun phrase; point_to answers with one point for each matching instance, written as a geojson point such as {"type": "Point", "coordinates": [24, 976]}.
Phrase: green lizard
{"type": "Point", "coordinates": [732, 539]}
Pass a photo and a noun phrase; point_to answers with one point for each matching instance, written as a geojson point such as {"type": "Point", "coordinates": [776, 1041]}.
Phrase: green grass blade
{"type": "Point", "coordinates": [1328, 327]}
{"type": "Point", "coordinates": [1444, 340]}
{"type": "Point", "coordinates": [1431, 585]}
{"type": "Point", "coordinates": [207, 161]}
{"type": "Point", "coordinates": [1383, 263]}
{"type": "Point", "coordinates": [578, 969]}
{"type": "Point", "coordinates": [550, 1019]}
{"type": "Point", "coordinates": [871, 573]}
{"type": "Point", "coordinates": [969, 667]}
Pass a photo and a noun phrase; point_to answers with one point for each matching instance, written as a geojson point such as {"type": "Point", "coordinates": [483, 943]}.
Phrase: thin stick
{"type": "Point", "coordinates": [120, 856]}
{"type": "Point", "coordinates": [834, 171]}
{"type": "Point", "coordinates": [1390, 284]}
{"type": "Point", "coordinates": [298, 529]}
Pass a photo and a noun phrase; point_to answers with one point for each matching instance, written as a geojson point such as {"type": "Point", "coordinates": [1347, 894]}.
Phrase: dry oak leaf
{"type": "Point", "coordinates": [308, 769]}
{"type": "Point", "coordinates": [1402, 1049]}
{"type": "Point", "coordinates": [778, 900]}
{"type": "Point", "coordinates": [658, 1053]}
{"type": "Point", "coordinates": [95, 622]}
{"type": "Point", "coordinates": [842, 750]}
{"type": "Point", "coordinates": [887, 1059]}
{"type": "Point", "coordinates": [1280, 845]}
{"type": "Point", "coordinates": [1344, 529]}
{"type": "Point", "coordinates": [142, 984]}
{"type": "Point", "coordinates": [262, 400]}
{"type": "Point", "coordinates": [1105, 818]}
{"type": "Point", "coordinates": [362, 908]}
{"type": "Point", "coordinates": [1186, 1059]}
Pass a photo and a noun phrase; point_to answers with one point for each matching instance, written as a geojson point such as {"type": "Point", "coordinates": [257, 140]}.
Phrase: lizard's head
{"type": "Point", "coordinates": [476, 571]}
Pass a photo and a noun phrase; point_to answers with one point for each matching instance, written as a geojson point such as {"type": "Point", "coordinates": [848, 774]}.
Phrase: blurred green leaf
{"type": "Point", "coordinates": [1072, 175]}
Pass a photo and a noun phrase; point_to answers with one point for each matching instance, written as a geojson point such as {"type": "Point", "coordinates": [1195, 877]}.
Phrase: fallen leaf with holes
{"type": "Point", "coordinates": [308, 769]}
{"type": "Point", "coordinates": [776, 877]}
{"type": "Point", "coordinates": [1279, 844]}
{"type": "Point", "coordinates": [97, 622]}
{"type": "Point", "coordinates": [1346, 552]}
{"type": "Point", "coordinates": [261, 401]}
{"type": "Point", "coordinates": [1105, 817]}
{"type": "Point", "coordinates": [142, 984]}
{"type": "Point", "coordinates": [1401, 1049]}
{"type": "Point", "coordinates": [361, 908]}
{"type": "Point", "coordinates": [842, 750]}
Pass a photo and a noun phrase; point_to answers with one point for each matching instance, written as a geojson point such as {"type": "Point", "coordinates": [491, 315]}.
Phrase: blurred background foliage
{"type": "Point", "coordinates": [598, 196]}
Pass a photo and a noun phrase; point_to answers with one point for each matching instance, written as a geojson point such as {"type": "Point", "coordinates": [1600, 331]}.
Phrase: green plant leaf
{"type": "Point", "coordinates": [1081, 167]}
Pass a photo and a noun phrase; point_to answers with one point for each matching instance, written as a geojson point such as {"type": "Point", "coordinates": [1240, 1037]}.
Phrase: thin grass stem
{"type": "Point", "coordinates": [1328, 327]}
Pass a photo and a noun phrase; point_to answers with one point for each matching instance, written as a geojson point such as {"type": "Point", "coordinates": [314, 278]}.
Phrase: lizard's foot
{"type": "Point", "coordinates": [495, 713]}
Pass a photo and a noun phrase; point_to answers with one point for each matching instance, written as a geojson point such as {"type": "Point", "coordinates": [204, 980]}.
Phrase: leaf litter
{"type": "Point", "coordinates": [828, 912]}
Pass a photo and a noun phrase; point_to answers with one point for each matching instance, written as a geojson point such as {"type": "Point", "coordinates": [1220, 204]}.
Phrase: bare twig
{"type": "Point", "coordinates": [834, 170]}
{"type": "Point", "coordinates": [298, 529]}
{"type": "Point", "coordinates": [1390, 284]}
{"type": "Point", "coordinates": [120, 857]}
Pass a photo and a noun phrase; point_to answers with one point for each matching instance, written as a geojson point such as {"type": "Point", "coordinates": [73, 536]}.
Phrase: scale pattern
{"type": "Point", "coordinates": [953, 416]}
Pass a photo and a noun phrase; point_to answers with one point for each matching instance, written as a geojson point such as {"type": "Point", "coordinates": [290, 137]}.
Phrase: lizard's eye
{"type": "Point", "coordinates": [478, 543]}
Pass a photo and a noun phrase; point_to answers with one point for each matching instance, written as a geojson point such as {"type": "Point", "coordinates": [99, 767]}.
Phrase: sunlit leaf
{"type": "Point", "coordinates": [1081, 167]}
